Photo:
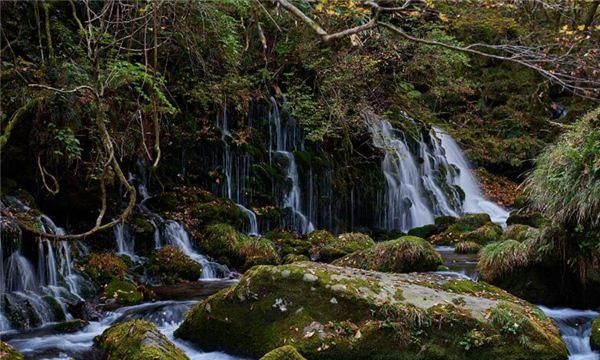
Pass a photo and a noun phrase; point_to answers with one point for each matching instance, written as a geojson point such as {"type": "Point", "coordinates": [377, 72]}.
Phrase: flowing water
{"type": "Point", "coordinates": [285, 137]}
{"type": "Point", "coordinates": [235, 179]}
{"type": "Point", "coordinates": [425, 178]}
{"type": "Point", "coordinates": [575, 328]}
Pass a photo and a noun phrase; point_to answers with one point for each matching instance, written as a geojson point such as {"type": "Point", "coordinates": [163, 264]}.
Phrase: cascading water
{"type": "Point", "coordinates": [423, 184]}
{"type": "Point", "coordinates": [234, 187]}
{"type": "Point", "coordinates": [474, 201]}
{"type": "Point", "coordinates": [575, 327]}
{"type": "Point", "coordinates": [287, 139]}
{"type": "Point", "coordinates": [35, 295]}
{"type": "Point", "coordinates": [125, 241]}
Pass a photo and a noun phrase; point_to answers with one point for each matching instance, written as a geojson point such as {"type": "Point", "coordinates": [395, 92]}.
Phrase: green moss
{"type": "Point", "coordinates": [286, 352]}
{"type": "Point", "coordinates": [595, 336]}
{"type": "Point", "coordinates": [499, 259]}
{"type": "Point", "coordinates": [527, 217]}
{"type": "Point", "coordinates": [8, 353]}
{"type": "Point", "coordinates": [475, 228]}
{"type": "Point", "coordinates": [105, 267]}
{"type": "Point", "coordinates": [123, 292]}
{"type": "Point", "coordinates": [137, 340]}
{"type": "Point", "coordinates": [331, 312]}
{"type": "Point", "coordinates": [325, 247]}
{"type": "Point", "coordinates": [287, 243]}
{"type": "Point", "coordinates": [172, 265]}
{"type": "Point", "coordinates": [218, 211]}
{"type": "Point", "coordinates": [406, 254]}
{"type": "Point", "coordinates": [520, 232]}
{"type": "Point", "coordinates": [71, 326]}
{"type": "Point", "coordinates": [424, 231]}
{"type": "Point", "coordinates": [291, 258]}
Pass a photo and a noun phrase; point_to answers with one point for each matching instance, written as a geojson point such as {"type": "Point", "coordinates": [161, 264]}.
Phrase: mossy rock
{"type": "Point", "coordinates": [595, 336]}
{"type": "Point", "coordinates": [137, 340]}
{"type": "Point", "coordinates": [527, 217]}
{"type": "Point", "coordinates": [325, 247]}
{"type": "Point", "coordinates": [467, 247]}
{"type": "Point", "coordinates": [171, 265]}
{"type": "Point", "coordinates": [288, 243]}
{"type": "Point", "coordinates": [123, 292]}
{"type": "Point", "coordinates": [406, 254]}
{"type": "Point", "coordinates": [332, 312]}
{"type": "Point", "coordinates": [7, 352]}
{"type": "Point", "coordinates": [223, 241]}
{"type": "Point", "coordinates": [218, 211]}
{"type": "Point", "coordinates": [472, 227]}
{"type": "Point", "coordinates": [286, 352]}
{"type": "Point", "coordinates": [143, 231]}
{"type": "Point", "coordinates": [105, 267]}
{"type": "Point", "coordinates": [291, 258]}
{"type": "Point", "coordinates": [485, 234]}
{"type": "Point", "coordinates": [444, 221]}
{"type": "Point", "coordinates": [520, 232]}
{"type": "Point", "coordinates": [425, 231]}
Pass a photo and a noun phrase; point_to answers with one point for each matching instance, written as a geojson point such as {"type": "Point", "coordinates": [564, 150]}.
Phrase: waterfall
{"type": "Point", "coordinates": [125, 241]}
{"type": "Point", "coordinates": [423, 184]}
{"type": "Point", "coordinates": [474, 201]}
{"type": "Point", "coordinates": [575, 328]}
{"type": "Point", "coordinates": [242, 173]}
{"type": "Point", "coordinates": [287, 139]}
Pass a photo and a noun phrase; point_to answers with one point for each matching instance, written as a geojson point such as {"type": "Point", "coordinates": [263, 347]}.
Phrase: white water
{"type": "Point", "coordinates": [286, 136]}
{"type": "Point", "coordinates": [167, 315]}
{"type": "Point", "coordinates": [575, 327]}
{"type": "Point", "coordinates": [125, 241]}
{"type": "Point", "coordinates": [421, 184]}
{"type": "Point", "coordinates": [474, 202]}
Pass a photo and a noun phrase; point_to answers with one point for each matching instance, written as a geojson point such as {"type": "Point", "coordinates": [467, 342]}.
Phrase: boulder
{"type": "Point", "coordinates": [467, 247]}
{"type": "Point", "coordinates": [137, 340]}
{"type": "Point", "coordinates": [526, 217]}
{"type": "Point", "coordinates": [287, 243]}
{"type": "Point", "coordinates": [123, 292]}
{"type": "Point", "coordinates": [102, 268]}
{"type": "Point", "coordinates": [171, 265]}
{"type": "Point", "coordinates": [286, 352]}
{"type": "Point", "coordinates": [8, 353]}
{"type": "Point", "coordinates": [326, 247]}
{"type": "Point", "coordinates": [595, 336]}
{"type": "Point", "coordinates": [230, 247]}
{"type": "Point", "coordinates": [406, 254]}
{"type": "Point", "coordinates": [332, 312]}
{"type": "Point", "coordinates": [476, 228]}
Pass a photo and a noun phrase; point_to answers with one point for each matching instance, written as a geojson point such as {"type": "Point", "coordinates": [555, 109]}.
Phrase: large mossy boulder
{"type": "Point", "coordinates": [137, 340]}
{"type": "Point", "coordinates": [224, 243]}
{"type": "Point", "coordinates": [526, 217]}
{"type": "Point", "coordinates": [326, 247]}
{"type": "Point", "coordinates": [406, 254]}
{"type": "Point", "coordinates": [332, 312]}
{"type": "Point", "coordinates": [595, 336]}
{"type": "Point", "coordinates": [286, 352]}
{"type": "Point", "coordinates": [123, 292]}
{"type": "Point", "coordinates": [171, 265]}
{"type": "Point", "coordinates": [8, 353]}
{"type": "Point", "coordinates": [287, 243]}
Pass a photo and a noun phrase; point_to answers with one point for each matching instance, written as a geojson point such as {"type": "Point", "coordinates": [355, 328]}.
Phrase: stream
{"type": "Point", "coordinates": [167, 315]}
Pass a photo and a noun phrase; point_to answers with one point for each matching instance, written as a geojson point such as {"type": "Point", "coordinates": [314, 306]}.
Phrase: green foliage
{"type": "Point", "coordinates": [501, 258]}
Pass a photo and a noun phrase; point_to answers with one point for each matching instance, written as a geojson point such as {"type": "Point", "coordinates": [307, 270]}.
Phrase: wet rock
{"type": "Point", "coordinates": [137, 340]}
{"type": "Point", "coordinates": [326, 247]}
{"type": "Point", "coordinates": [123, 292]}
{"type": "Point", "coordinates": [8, 353]}
{"type": "Point", "coordinates": [476, 228]}
{"type": "Point", "coordinates": [171, 265]}
{"type": "Point", "coordinates": [10, 235]}
{"type": "Point", "coordinates": [425, 231]}
{"type": "Point", "coordinates": [526, 217]}
{"type": "Point", "coordinates": [406, 254]}
{"type": "Point", "coordinates": [347, 313]}
{"type": "Point", "coordinates": [286, 352]}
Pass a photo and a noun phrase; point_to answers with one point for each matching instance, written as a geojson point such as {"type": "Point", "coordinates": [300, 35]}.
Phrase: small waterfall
{"type": "Point", "coordinates": [288, 139]}
{"type": "Point", "coordinates": [243, 170]}
{"type": "Point", "coordinates": [423, 184]}
{"type": "Point", "coordinates": [176, 236]}
{"type": "Point", "coordinates": [575, 327]}
{"type": "Point", "coordinates": [474, 201]}
{"type": "Point", "coordinates": [125, 241]}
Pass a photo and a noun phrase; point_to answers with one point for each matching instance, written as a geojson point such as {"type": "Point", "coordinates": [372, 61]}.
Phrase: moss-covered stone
{"type": "Point", "coordinates": [123, 292]}
{"type": "Point", "coordinates": [137, 340]}
{"type": "Point", "coordinates": [425, 231]}
{"type": "Point", "coordinates": [291, 258]}
{"type": "Point", "coordinates": [8, 353]}
{"type": "Point", "coordinates": [288, 243]}
{"type": "Point", "coordinates": [406, 254]}
{"type": "Point", "coordinates": [286, 352]}
{"type": "Point", "coordinates": [475, 228]}
{"type": "Point", "coordinates": [526, 217]}
{"type": "Point", "coordinates": [70, 326]}
{"type": "Point", "coordinates": [217, 211]}
{"type": "Point", "coordinates": [467, 247]}
{"type": "Point", "coordinates": [331, 312]}
{"type": "Point", "coordinates": [171, 265]}
{"type": "Point", "coordinates": [325, 247]}
{"type": "Point", "coordinates": [595, 336]}
{"type": "Point", "coordinates": [105, 267]}
{"type": "Point", "coordinates": [224, 242]}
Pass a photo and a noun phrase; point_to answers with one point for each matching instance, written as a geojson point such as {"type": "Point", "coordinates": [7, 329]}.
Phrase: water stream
{"type": "Point", "coordinates": [575, 328]}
